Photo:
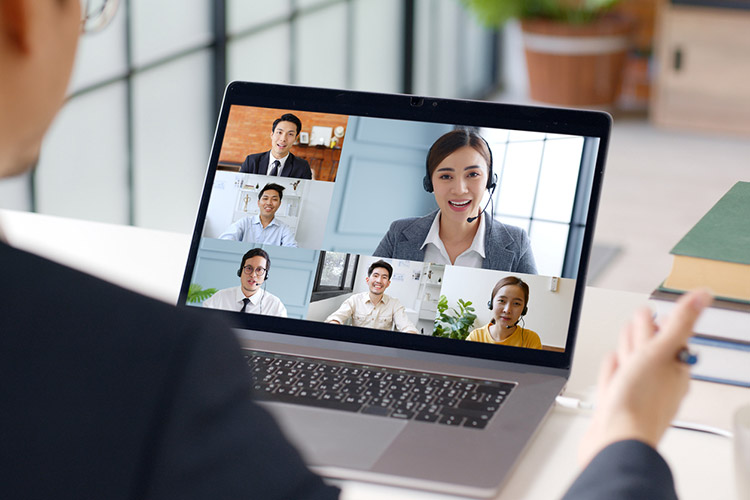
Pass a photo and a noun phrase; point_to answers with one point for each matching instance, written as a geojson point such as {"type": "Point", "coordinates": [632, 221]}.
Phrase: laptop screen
{"type": "Point", "coordinates": [440, 225]}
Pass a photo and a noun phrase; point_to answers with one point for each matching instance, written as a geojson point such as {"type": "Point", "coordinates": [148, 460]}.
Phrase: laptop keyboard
{"type": "Point", "coordinates": [375, 390]}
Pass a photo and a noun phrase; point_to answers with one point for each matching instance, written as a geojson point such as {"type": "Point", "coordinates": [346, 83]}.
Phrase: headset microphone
{"type": "Point", "coordinates": [492, 191]}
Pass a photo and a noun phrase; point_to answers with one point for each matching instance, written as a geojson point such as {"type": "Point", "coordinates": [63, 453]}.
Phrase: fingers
{"type": "Point", "coordinates": [625, 343]}
{"type": "Point", "coordinates": [679, 325]}
{"type": "Point", "coordinates": [606, 372]}
{"type": "Point", "coordinates": [643, 327]}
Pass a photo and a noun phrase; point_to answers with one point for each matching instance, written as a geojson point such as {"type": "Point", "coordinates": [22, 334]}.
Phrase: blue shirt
{"type": "Point", "coordinates": [250, 230]}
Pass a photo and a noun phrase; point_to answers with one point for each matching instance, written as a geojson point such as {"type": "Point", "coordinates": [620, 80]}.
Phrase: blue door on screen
{"type": "Point", "coordinates": [379, 180]}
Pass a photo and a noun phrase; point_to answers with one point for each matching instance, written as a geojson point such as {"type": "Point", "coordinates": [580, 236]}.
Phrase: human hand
{"type": "Point", "coordinates": [642, 384]}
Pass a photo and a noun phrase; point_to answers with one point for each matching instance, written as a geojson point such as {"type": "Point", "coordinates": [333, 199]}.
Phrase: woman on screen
{"type": "Point", "coordinates": [509, 304]}
{"type": "Point", "coordinates": [459, 174]}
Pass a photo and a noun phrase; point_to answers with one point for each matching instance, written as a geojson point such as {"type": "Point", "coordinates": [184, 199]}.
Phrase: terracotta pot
{"type": "Point", "coordinates": [577, 65]}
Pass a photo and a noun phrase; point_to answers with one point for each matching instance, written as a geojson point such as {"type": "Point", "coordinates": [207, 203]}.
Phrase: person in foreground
{"type": "Point", "coordinates": [633, 411]}
{"type": "Point", "coordinates": [106, 394]}
{"type": "Point", "coordinates": [250, 296]}
{"type": "Point", "coordinates": [509, 303]}
{"type": "Point", "coordinates": [459, 174]}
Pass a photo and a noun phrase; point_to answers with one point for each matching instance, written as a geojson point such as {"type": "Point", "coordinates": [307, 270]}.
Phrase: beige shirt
{"type": "Point", "coordinates": [384, 316]}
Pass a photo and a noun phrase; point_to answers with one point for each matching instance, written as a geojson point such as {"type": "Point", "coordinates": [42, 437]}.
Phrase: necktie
{"type": "Point", "coordinates": [244, 306]}
{"type": "Point", "coordinates": [274, 170]}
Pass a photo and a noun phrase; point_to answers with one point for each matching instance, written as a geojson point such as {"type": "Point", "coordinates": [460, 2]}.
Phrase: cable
{"type": "Point", "coordinates": [577, 404]}
{"type": "Point", "coordinates": [708, 429]}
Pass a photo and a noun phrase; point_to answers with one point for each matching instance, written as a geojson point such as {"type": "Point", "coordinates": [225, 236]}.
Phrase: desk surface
{"type": "Point", "coordinates": [152, 262]}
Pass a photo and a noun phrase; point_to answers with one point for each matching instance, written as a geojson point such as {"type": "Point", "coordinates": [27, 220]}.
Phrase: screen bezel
{"type": "Point", "coordinates": [424, 109]}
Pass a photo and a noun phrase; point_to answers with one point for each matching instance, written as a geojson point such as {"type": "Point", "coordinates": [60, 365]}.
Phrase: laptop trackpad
{"type": "Point", "coordinates": [336, 438]}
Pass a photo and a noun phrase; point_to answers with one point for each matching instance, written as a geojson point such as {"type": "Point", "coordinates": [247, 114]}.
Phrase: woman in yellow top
{"type": "Point", "coordinates": [509, 303]}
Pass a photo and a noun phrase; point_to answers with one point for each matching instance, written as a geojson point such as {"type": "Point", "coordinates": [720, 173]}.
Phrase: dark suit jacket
{"type": "Point", "coordinates": [107, 394]}
{"type": "Point", "coordinates": [626, 470]}
{"type": "Point", "coordinates": [293, 167]}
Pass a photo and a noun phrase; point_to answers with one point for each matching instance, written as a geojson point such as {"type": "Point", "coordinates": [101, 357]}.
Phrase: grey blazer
{"type": "Point", "coordinates": [506, 248]}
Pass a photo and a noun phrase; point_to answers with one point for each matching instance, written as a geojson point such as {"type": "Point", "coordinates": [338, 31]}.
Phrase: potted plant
{"type": "Point", "coordinates": [576, 50]}
{"type": "Point", "coordinates": [454, 323]}
{"type": "Point", "coordinates": [196, 293]}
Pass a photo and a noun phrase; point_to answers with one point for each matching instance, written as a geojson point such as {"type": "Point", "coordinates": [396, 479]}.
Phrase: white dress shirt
{"type": "Point", "coordinates": [383, 316]}
{"type": "Point", "coordinates": [436, 253]}
{"type": "Point", "coordinates": [251, 230]}
{"type": "Point", "coordinates": [282, 162]}
{"type": "Point", "coordinates": [261, 302]}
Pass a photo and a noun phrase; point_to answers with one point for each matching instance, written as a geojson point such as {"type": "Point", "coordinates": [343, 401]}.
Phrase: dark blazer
{"type": "Point", "coordinates": [626, 470]}
{"type": "Point", "coordinates": [506, 248]}
{"type": "Point", "coordinates": [108, 394]}
{"type": "Point", "coordinates": [293, 167]}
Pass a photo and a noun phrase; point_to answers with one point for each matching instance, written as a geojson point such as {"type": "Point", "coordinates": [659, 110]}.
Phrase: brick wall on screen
{"type": "Point", "coordinates": [249, 129]}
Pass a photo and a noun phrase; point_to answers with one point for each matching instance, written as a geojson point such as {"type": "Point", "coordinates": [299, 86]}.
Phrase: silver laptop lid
{"type": "Point", "coordinates": [354, 188]}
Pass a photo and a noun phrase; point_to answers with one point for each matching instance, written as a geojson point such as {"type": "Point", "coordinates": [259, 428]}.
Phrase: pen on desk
{"type": "Point", "coordinates": [687, 357]}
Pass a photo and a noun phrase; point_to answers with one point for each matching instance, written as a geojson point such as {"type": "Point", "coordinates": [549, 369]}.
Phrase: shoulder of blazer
{"type": "Point", "coordinates": [255, 158]}
{"type": "Point", "coordinates": [300, 161]}
{"type": "Point", "coordinates": [499, 234]}
{"type": "Point", "coordinates": [414, 227]}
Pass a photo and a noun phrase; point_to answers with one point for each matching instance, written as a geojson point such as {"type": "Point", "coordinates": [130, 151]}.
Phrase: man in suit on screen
{"type": "Point", "coordinates": [279, 161]}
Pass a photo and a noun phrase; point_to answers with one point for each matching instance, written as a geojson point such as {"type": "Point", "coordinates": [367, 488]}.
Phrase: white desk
{"type": "Point", "coordinates": [152, 262]}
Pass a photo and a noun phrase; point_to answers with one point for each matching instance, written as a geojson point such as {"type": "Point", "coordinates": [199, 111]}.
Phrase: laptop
{"type": "Point", "coordinates": [382, 352]}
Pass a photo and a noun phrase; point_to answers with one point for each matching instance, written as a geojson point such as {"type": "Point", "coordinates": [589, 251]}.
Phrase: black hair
{"type": "Point", "coordinates": [514, 281]}
{"type": "Point", "coordinates": [383, 264]}
{"type": "Point", "coordinates": [255, 252]}
{"type": "Point", "coordinates": [287, 117]}
{"type": "Point", "coordinates": [451, 142]}
{"type": "Point", "coordinates": [272, 187]}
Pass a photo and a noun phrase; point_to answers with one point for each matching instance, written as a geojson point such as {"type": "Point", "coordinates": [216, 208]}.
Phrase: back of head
{"type": "Point", "coordinates": [37, 47]}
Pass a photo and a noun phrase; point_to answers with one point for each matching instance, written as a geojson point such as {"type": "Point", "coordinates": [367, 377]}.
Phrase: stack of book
{"type": "Point", "coordinates": [715, 253]}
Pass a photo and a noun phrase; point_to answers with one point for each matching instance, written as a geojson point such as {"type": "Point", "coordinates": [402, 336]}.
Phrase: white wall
{"type": "Point", "coordinates": [321, 309]}
{"type": "Point", "coordinates": [316, 203]}
{"type": "Point", "coordinates": [312, 221]}
{"type": "Point", "coordinates": [549, 312]}
{"type": "Point", "coordinates": [223, 195]}
{"type": "Point", "coordinates": [403, 285]}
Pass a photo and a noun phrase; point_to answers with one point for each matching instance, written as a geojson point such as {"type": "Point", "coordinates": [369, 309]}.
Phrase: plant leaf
{"type": "Point", "coordinates": [196, 293]}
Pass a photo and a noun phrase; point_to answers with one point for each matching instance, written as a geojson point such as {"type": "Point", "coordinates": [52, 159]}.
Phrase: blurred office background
{"type": "Point", "coordinates": [146, 92]}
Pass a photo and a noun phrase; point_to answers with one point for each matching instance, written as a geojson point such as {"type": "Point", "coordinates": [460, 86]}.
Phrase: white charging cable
{"type": "Point", "coordinates": [577, 404]}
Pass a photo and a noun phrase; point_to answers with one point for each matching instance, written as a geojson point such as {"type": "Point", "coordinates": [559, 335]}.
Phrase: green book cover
{"type": "Point", "coordinates": [724, 232]}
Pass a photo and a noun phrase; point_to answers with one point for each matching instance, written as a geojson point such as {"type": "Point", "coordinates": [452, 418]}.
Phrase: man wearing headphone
{"type": "Point", "coordinates": [459, 174]}
{"type": "Point", "coordinates": [250, 296]}
{"type": "Point", "coordinates": [509, 303]}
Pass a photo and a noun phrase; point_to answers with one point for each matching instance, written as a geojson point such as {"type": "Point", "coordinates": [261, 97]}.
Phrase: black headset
{"type": "Point", "coordinates": [252, 254]}
{"type": "Point", "coordinates": [525, 306]}
{"type": "Point", "coordinates": [491, 177]}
